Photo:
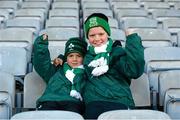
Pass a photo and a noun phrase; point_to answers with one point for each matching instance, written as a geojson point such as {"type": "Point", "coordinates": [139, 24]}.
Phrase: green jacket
{"type": "Point", "coordinates": [113, 86]}
{"type": "Point", "coordinates": [58, 86]}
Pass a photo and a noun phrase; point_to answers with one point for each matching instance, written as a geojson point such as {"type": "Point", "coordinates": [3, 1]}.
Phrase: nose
{"type": "Point", "coordinates": [96, 37]}
{"type": "Point", "coordinates": [74, 57]}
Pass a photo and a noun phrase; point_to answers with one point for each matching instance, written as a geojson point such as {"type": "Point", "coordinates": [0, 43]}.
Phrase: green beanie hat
{"type": "Point", "coordinates": [96, 20]}
{"type": "Point", "coordinates": [75, 44]}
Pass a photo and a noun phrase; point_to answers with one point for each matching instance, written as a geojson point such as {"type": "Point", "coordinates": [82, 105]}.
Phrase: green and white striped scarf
{"type": "Point", "coordinates": [101, 60]}
{"type": "Point", "coordinates": [70, 74]}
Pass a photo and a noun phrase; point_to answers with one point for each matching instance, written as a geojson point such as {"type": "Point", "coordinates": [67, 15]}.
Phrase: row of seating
{"type": "Point", "coordinates": [158, 28]}
{"type": "Point", "coordinates": [34, 87]}
{"type": "Point", "coordinates": [111, 115]}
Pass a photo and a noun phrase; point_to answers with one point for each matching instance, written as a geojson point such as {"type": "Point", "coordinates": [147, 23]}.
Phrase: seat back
{"type": "Point", "coordinates": [167, 80]}
{"type": "Point", "coordinates": [159, 60]}
{"type": "Point", "coordinates": [133, 114]}
{"type": "Point", "coordinates": [154, 37]}
{"type": "Point", "coordinates": [13, 60]}
{"type": "Point", "coordinates": [33, 89]}
{"type": "Point", "coordinates": [140, 91]}
{"type": "Point", "coordinates": [48, 115]}
{"type": "Point", "coordinates": [172, 103]}
{"type": "Point", "coordinates": [7, 94]}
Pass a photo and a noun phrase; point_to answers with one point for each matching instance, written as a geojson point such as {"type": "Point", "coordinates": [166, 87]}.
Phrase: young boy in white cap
{"type": "Point", "coordinates": [64, 83]}
{"type": "Point", "coordinates": [109, 68]}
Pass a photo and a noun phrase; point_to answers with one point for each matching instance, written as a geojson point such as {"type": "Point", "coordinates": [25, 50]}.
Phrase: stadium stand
{"type": "Point", "coordinates": [156, 21]}
{"type": "Point", "coordinates": [7, 95]}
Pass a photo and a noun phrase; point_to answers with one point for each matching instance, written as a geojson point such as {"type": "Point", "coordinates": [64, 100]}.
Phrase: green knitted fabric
{"type": "Point", "coordinates": [95, 22]}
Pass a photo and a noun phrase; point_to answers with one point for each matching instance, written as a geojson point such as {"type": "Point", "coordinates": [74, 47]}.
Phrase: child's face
{"type": "Point", "coordinates": [74, 60]}
{"type": "Point", "coordinates": [97, 36]}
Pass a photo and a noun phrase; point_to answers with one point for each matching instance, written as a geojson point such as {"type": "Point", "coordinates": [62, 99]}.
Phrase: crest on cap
{"type": "Point", "coordinates": [71, 46]}
{"type": "Point", "coordinates": [93, 22]}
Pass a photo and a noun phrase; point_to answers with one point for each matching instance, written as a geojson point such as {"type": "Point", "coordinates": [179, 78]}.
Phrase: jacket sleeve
{"type": "Point", "coordinates": [132, 63]}
{"type": "Point", "coordinates": [42, 60]}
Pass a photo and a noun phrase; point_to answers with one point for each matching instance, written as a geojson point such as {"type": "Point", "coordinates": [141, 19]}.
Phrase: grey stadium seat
{"type": "Point", "coordinates": [7, 94]}
{"type": "Point", "coordinates": [47, 115]}
{"type": "Point", "coordinates": [133, 114]}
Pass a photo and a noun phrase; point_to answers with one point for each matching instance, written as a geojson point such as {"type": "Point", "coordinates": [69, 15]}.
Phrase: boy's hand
{"type": "Point", "coordinates": [57, 61]}
{"type": "Point", "coordinates": [45, 36]}
{"type": "Point", "coordinates": [129, 31]}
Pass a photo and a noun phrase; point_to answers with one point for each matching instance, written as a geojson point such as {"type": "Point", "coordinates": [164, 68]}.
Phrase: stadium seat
{"type": "Point", "coordinates": [118, 34]}
{"type": "Point", "coordinates": [126, 5]}
{"type": "Point", "coordinates": [13, 37]}
{"type": "Point", "coordinates": [150, 0]}
{"type": "Point", "coordinates": [171, 24]}
{"type": "Point", "coordinates": [87, 12]}
{"type": "Point", "coordinates": [55, 49]}
{"type": "Point", "coordinates": [155, 5]}
{"type": "Point", "coordinates": [11, 57]}
{"type": "Point", "coordinates": [175, 1]}
{"type": "Point", "coordinates": [113, 23]}
{"type": "Point", "coordinates": [31, 24]}
{"type": "Point", "coordinates": [134, 115]}
{"type": "Point", "coordinates": [65, 5]}
{"type": "Point", "coordinates": [83, 1]}
{"type": "Point", "coordinates": [33, 89]}
{"type": "Point", "coordinates": [160, 14]}
{"type": "Point", "coordinates": [160, 59]}
{"type": "Point", "coordinates": [95, 5]}
{"type": "Point", "coordinates": [38, 14]}
{"type": "Point", "coordinates": [63, 13]}
{"type": "Point", "coordinates": [62, 23]}
{"type": "Point", "coordinates": [57, 38]}
{"type": "Point", "coordinates": [38, 1]}
{"type": "Point", "coordinates": [140, 91]}
{"type": "Point", "coordinates": [177, 5]}
{"type": "Point", "coordinates": [169, 92]}
{"type": "Point", "coordinates": [123, 13]}
{"type": "Point", "coordinates": [65, 0]}
{"type": "Point", "coordinates": [35, 5]}
{"type": "Point", "coordinates": [47, 115]}
{"type": "Point", "coordinates": [154, 37]}
{"type": "Point", "coordinates": [138, 22]}
{"type": "Point", "coordinates": [9, 5]}
{"type": "Point", "coordinates": [172, 103]}
{"type": "Point", "coordinates": [7, 94]}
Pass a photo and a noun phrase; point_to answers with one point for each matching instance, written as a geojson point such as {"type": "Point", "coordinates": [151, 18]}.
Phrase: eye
{"type": "Point", "coordinates": [101, 34]}
{"type": "Point", "coordinates": [70, 55]}
{"type": "Point", "coordinates": [91, 35]}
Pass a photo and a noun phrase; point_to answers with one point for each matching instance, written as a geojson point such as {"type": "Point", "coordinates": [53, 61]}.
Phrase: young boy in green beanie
{"type": "Point", "coordinates": [109, 68]}
{"type": "Point", "coordinates": [64, 83]}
